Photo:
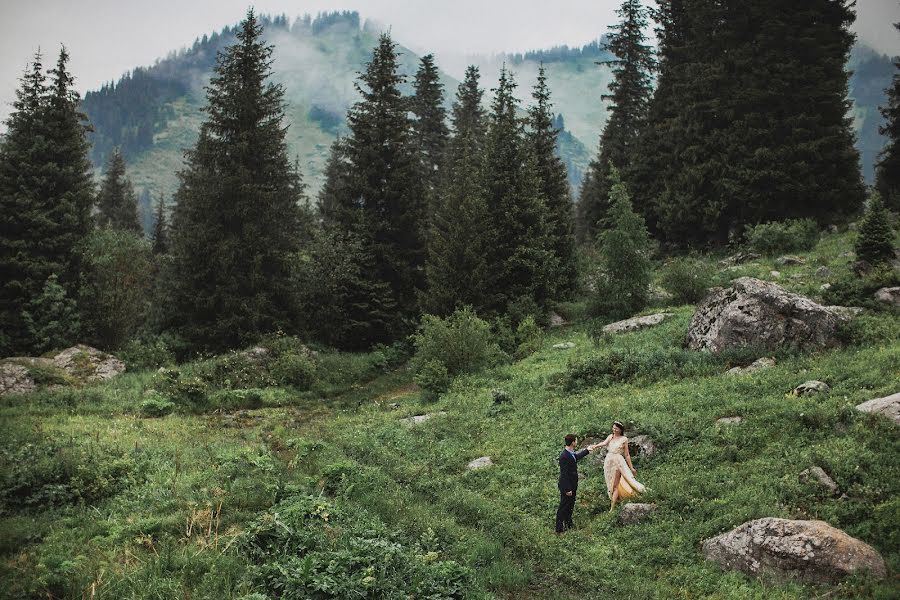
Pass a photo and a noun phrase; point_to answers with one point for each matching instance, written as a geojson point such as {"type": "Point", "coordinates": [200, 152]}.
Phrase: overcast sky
{"type": "Point", "coordinates": [106, 38]}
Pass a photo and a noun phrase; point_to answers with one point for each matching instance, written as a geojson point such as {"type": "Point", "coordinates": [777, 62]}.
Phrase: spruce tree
{"type": "Point", "coordinates": [625, 268]}
{"type": "Point", "coordinates": [458, 239]}
{"type": "Point", "coordinates": [875, 242]}
{"type": "Point", "coordinates": [554, 189]}
{"type": "Point", "coordinates": [517, 254]}
{"type": "Point", "coordinates": [429, 124]}
{"type": "Point", "coordinates": [887, 171]}
{"type": "Point", "coordinates": [236, 225]}
{"type": "Point", "coordinates": [337, 208]}
{"type": "Point", "coordinates": [160, 235]}
{"type": "Point", "coordinates": [52, 318]}
{"type": "Point", "coordinates": [384, 182]}
{"type": "Point", "coordinates": [116, 201]}
{"type": "Point", "coordinates": [630, 93]}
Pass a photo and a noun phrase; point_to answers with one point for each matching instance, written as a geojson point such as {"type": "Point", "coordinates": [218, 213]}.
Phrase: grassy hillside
{"type": "Point", "coordinates": [277, 489]}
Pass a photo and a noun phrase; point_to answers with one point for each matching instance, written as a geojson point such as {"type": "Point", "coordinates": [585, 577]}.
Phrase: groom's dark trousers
{"type": "Point", "coordinates": [568, 482]}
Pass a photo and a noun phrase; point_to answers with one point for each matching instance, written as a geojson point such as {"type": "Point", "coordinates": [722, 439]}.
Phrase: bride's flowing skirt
{"type": "Point", "coordinates": [629, 487]}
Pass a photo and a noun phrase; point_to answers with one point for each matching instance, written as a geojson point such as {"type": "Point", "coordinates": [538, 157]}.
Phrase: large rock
{"type": "Point", "coordinates": [889, 295]}
{"type": "Point", "coordinates": [88, 364]}
{"type": "Point", "coordinates": [811, 387]}
{"type": "Point", "coordinates": [888, 406]}
{"type": "Point", "coordinates": [642, 445]}
{"type": "Point", "coordinates": [758, 313]}
{"type": "Point", "coordinates": [14, 379]}
{"type": "Point", "coordinates": [635, 323]}
{"type": "Point", "coordinates": [634, 513]}
{"type": "Point", "coordinates": [786, 550]}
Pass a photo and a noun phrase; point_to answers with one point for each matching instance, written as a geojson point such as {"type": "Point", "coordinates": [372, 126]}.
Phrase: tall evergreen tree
{"type": "Point", "coordinates": [430, 131]}
{"type": "Point", "coordinates": [337, 208]}
{"type": "Point", "coordinates": [116, 201]}
{"type": "Point", "coordinates": [236, 225]}
{"type": "Point", "coordinates": [629, 97]}
{"type": "Point", "coordinates": [875, 242]}
{"type": "Point", "coordinates": [455, 269]}
{"type": "Point", "coordinates": [887, 171]}
{"type": "Point", "coordinates": [52, 318]}
{"type": "Point", "coordinates": [384, 181]}
{"type": "Point", "coordinates": [517, 255]}
{"type": "Point", "coordinates": [160, 235]}
{"type": "Point", "coordinates": [46, 192]}
{"type": "Point", "coordinates": [554, 189]}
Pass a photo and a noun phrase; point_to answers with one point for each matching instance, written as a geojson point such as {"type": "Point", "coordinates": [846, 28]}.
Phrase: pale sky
{"type": "Point", "coordinates": [106, 38]}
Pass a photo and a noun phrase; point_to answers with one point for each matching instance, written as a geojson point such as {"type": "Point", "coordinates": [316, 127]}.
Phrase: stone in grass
{"type": "Point", "coordinates": [14, 379]}
{"type": "Point", "coordinates": [556, 320]}
{"type": "Point", "coordinates": [812, 387]}
{"type": "Point", "coordinates": [823, 272]}
{"type": "Point", "coordinates": [418, 419]}
{"type": "Point", "coordinates": [888, 406]}
{"type": "Point", "coordinates": [636, 323]}
{"type": "Point", "coordinates": [564, 346]}
{"type": "Point", "coordinates": [758, 365]}
{"type": "Point", "coordinates": [819, 476]}
{"type": "Point", "coordinates": [775, 274]}
{"type": "Point", "coordinates": [642, 445]}
{"type": "Point", "coordinates": [888, 295]}
{"type": "Point", "coordinates": [480, 463]}
{"type": "Point", "coordinates": [729, 421]}
{"type": "Point", "coordinates": [634, 513]}
{"type": "Point", "coordinates": [501, 396]}
{"type": "Point", "coordinates": [788, 550]}
{"type": "Point", "coordinates": [790, 261]}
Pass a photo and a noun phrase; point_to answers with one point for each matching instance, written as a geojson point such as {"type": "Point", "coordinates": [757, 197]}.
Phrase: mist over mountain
{"type": "Point", "coordinates": [154, 113]}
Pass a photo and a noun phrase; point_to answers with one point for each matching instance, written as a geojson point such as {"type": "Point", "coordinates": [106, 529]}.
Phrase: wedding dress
{"type": "Point", "coordinates": [615, 461]}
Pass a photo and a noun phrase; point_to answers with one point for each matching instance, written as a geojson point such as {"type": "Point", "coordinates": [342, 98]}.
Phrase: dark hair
{"type": "Point", "coordinates": [620, 426]}
{"type": "Point", "coordinates": [570, 439]}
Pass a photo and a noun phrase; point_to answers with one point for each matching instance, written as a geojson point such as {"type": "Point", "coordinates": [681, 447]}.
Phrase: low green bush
{"type": "Point", "coordinates": [147, 354]}
{"type": "Point", "coordinates": [308, 547]}
{"type": "Point", "coordinates": [433, 378]}
{"type": "Point", "coordinates": [687, 279]}
{"type": "Point", "coordinates": [189, 394]}
{"type": "Point", "coordinates": [156, 405]}
{"type": "Point", "coordinates": [853, 290]}
{"type": "Point", "coordinates": [785, 236]}
{"type": "Point", "coordinates": [462, 343]}
{"type": "Point", "coordinates": [529, 338]}
{"type": "Point", "coordinates": [296, 370]}
{"type": "Point", "coordinates": [235, 370]}
{"type": "Point", "coordinates": [228, 400]}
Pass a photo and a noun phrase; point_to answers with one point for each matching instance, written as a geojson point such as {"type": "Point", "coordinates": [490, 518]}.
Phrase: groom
{"type": "Point", "coordinates": [568, 481]}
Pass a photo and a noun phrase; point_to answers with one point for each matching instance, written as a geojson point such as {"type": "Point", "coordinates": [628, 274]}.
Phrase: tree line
{"type": "Point", "coordinates": [424, 211]}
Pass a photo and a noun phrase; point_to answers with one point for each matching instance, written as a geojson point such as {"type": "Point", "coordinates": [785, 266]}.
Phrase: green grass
{"type": "Point", "coordinates": [167, 505]}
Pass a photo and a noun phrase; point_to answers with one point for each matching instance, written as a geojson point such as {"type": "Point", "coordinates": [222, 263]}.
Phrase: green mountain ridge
{"type": "Point", "coordinates": [154, 113]}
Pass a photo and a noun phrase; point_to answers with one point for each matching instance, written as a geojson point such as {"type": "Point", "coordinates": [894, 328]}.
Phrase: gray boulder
{"type": "Point", "coordinates": [790, 261]}
{"type": "Point", "coordinates": [786, 550]}
{"type": "Point", "coordinates": [14, 379]}
{"type": "Point", "coordinates": [739, 258]}
{"type": "Point", "coordinates": [480, 463]}
{"type": "Point", "coordinates": [759, 313]}
{"type": "Point", "coordinates": [419, 419]}
{"type": "Point", "coordinates": [88, 364]}
{"type": "Point", "coordinates": [556, 320]}
{"type": "Point", "coordinates": [757, 365]}
{"type": "Point", "coordinates": [889, 295]}
{"type": "Point", "coordinates": [818, 476]}
{"type": "Point", "coordinates": [641, 445]}
{"type": "Point", "coordinates": [888, 406]}
{"type": "Point", "coordinates": [636, 323]}
{"type": "Point", "coordinates": [823, 272]}
{"type": "Point", "coordinates": [729, 421]}
{"type": "Point", "coordinates": [812, 387]}
{"type": "Point", "coordinates": [634, 513]}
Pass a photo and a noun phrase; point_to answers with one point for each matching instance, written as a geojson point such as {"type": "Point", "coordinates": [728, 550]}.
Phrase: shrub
{"type": "Point", "coordinates": [529, 338]}
{"type": "Point", "coordinates": [779, 237]}
{"type": "Point", "coordinates": [687, 279]}
{"type": "Point", "coordinates": [147, 354]}
{"type": "Point", "coordinates": [229, 400]}
{"type": "Point", "coordinates": [187, 393]}
{"type": "Point", "coordinates": [875, 242]}
{"type": "Point", "coordinates": [851, 290]}
{"type": "Point", "coordinates": [621, 366]}
{"type": "Point", "coordinates": [235, 370]}
{"type": "Point", "coordinates": [296, 370]}
{"type": "Point", "coordinates": [51, 318]}
{"type": "Point", "coordinates": [156, 405]}
{"type": "Point", "coordinates": [462, 343]}
{"type": "Point", "coordinates": [433, 378]}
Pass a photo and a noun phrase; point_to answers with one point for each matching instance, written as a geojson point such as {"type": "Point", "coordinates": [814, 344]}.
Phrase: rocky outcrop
{"type": "Point", "coordinates": [556, 320]}
{"type": "Point", "coordinates": [888, 406]}
{"type": "Point", "coordinates": [761, 314]}
{"type": "Point", "coordinates": [634, 513]}
{"type": "Point", "coordinates": [14, 379]}
{"type": "Point", "coordinates": [757, 365]}
{"type": "Point", "coordinates": [889, 295]}
{"type": "Point", "coordinates": [88, 364]}
{"type": "Point", "coordinates": [636, 323]}
{"type": "Point", "coordinates": [785, 550]}
{"type": "Point", "coordinates": [811, 387]}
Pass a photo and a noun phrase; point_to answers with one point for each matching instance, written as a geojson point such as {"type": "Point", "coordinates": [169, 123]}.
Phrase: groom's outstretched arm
{"type": "Point", "coordinates": [582, 453]}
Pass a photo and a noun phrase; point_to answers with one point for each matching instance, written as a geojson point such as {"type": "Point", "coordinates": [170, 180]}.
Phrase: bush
{"type": "Point", "coordinates": [187, 393]}
{"type": "Point", "coordinates": [529, 338]}
{"type": "Point", "coordinates": [147, 354]}
{"type": "Point", "coordinates": [156, 405]}
{"type": "Point", "coordinates": [851, 290]}
{"type": "Point", "coordinates": [875, 242]}
{"type": "Point", "coordinates": [622, 366]}
{"type": "Point", "coordinates": [235, 370]}
{"type": "Point", "coordinates": [296, 370]}
{"type": "Point", "coordinates": [779, 237]}
{"type": "Point", "coordinates": [433, 378]}
{"type": "Point", "coordinates": [228, 400]}
{"type": "Point", "coordinates": [462, 343]}
{"type": "Point", "coordinates": [687, 279]}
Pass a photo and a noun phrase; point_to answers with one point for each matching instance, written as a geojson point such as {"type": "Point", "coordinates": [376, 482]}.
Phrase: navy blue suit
{"type": "Point", "coordinates": [568, 482]}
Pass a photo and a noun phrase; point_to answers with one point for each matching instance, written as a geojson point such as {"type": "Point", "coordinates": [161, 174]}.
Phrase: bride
{"type": "Point", "coordinates": [617, 468]}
